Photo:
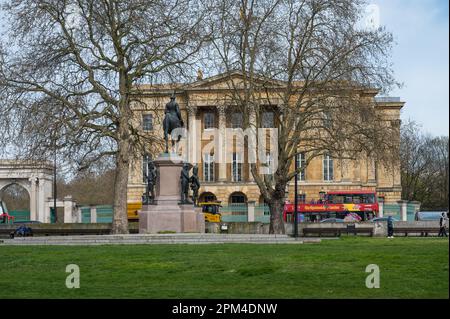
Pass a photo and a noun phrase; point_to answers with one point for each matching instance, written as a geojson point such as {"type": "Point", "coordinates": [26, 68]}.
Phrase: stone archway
{"type": "Point", "coordinates": [36, 178]}
{"type": "Point", "coordinates": [16, 197]}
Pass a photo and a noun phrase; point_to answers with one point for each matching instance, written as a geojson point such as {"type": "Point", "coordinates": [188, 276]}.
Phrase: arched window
{"type": "Point", "coordinates": [238, 203]}
{"type": "Point", "coordinates": [238, 198]}
{"type": "Point", "coordinates": [207, 197]}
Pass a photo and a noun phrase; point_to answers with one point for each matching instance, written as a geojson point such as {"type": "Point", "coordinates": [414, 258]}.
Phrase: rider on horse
{"type": "Point", "coordinates": [172, 120]}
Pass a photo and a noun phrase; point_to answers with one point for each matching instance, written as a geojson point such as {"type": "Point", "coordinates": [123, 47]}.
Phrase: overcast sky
{"type": "Point", "coordinates": [421, 58]}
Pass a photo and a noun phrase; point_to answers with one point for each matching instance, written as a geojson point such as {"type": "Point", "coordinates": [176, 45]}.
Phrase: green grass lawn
{"type": "Point", "coordinates": [409, 267]}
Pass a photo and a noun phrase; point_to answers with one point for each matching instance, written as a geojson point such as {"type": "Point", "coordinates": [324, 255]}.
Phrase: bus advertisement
{"type": "Point", "coordinates": [335, 204]}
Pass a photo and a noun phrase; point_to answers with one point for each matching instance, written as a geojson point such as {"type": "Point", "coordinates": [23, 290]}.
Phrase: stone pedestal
{"type": "Point", "coordinates": [167, 214]}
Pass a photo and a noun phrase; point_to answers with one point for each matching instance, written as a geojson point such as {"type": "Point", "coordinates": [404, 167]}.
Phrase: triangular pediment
{"type": "Point", "coordinates": [230, 80]}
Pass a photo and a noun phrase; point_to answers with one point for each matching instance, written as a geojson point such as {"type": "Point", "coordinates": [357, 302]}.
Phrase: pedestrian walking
{"type": "Point", "coordinates": [390, 227]}
{"type": "Point", "coordinates": [443, 225]}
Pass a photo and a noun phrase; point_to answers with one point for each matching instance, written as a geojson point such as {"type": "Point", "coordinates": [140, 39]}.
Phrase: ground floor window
{"type": "Point", "coordinates": [238, 204]}
{"type": "Point", "coordinates": [237, 167]}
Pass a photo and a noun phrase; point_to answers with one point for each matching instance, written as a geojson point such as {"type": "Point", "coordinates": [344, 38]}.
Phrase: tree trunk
{"type": "Point", "coordinates": [276, 206]}
{"type": "Point", "coordinates": [120, 219]}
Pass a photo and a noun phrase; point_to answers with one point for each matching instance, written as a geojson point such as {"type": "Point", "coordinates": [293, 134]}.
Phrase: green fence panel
{"type": "Point", "coordinates": [234, 218]}
{"type": "Point", "coordinates": [85, 215]}
{"type": "Point", "coordinates": [393, 210]}
{"type": "Point", "coordinates": [410, 212]}
{"type": "Point", "coordinates": [262, 210]}
{"type": "Point", "coordinates": [104, 214]}
{"type": "Point", "coordinates": [20, 215]}
{"type": "Point", "coordinates": [237, 209]}
{"type": "Point", "coordinates": [263, 219]}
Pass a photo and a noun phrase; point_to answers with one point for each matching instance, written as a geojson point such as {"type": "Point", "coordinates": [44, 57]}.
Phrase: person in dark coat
{"type": "Point", "coordinates": [390, 227]}
{"type": "Point", "coordinates": [443, 225]}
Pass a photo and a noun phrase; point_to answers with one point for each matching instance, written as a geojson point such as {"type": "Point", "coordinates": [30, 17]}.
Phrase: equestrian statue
{"type": "Point", "coordinates": [172, 120]}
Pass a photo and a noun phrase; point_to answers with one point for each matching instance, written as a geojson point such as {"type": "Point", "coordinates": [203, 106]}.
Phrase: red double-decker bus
{"type": "Point", "coordinates": [362, 204]}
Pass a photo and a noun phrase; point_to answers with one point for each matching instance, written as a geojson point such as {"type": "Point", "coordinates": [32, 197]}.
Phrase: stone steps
{"type": "Point", "coordinates": [141, 239]}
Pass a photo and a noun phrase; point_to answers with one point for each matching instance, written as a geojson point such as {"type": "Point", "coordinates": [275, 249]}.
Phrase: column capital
{"type": "Point", "coordinates": [192, 109]}
{"type": "Point", "coordinates": [222, 109]}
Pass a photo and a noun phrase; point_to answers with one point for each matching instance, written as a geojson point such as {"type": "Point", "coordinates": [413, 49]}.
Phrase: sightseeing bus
{"type": "Point", "coordinates": [359, 205]}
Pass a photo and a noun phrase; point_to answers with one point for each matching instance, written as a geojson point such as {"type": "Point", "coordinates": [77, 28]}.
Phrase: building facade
{"type": "Point", "coordinates": [204, 110]}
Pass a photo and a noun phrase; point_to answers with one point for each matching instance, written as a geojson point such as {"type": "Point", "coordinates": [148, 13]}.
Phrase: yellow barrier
{"type": "Point", "coordinates": [132, 209]}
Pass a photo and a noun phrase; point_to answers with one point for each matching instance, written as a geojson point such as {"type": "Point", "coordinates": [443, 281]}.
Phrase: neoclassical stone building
{"type": "Point", "coordinates": [204, 109]}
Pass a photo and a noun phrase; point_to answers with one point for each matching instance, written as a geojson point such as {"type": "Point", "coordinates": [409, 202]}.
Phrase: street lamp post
{"type": "Point", "coordinates": [54, 182]}
{"type": "Point", "coordinates": [296, 199]}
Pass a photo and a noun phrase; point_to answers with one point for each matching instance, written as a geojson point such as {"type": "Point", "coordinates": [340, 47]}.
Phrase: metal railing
{"type": "Point", "coordinates": [104, 214]}
{"type": "Point", "coordinates": [85, 215]}
{"type": "Point", "coordinates": [20, 215]}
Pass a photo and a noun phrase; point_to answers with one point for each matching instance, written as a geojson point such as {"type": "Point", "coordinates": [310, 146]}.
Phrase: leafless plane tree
{"type": "Point", "coordinates": [314, 63]}
{"type": "Point", "coordinates": [68, 69]}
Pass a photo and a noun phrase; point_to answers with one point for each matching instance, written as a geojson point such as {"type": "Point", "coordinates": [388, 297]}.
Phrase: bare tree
{"type": "Point", "coordinates": [89, 188]}
{"type": "Point", "coordinates": [309, 61]}
{"type": "Point", "coordinates": [16, 197]}
{"type": "Point", "coordinates": [424, 167]}
{"type": "Point", "coordinates": [69, 68]}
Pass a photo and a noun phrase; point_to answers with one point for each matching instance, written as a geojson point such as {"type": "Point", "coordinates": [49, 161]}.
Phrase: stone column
{"type": "Point", "coordinates": [222, 144]}
{"type": "Point", "coordinates": [33, 208]}
{"type": "Point", "coordinates": [254, 129]}
{"type": "Point", "coordinates": [193, 139]}
{"type": "Point", "coordinates": [47, 211]}
{"type": "Point", "coordinates": [93, 214]}
{"type": "Point", "coordinates": [371, 176]}
{"type": "Point", "coordinates": [250, 211]}
{"type": "Point", "coordinates": [345, 172]}
{"type": "Point", "coordinates": [67, 202]}
{"type": "Point", "coordinates": [44, 194]}
{"type": "Point", "coordinates": [403, 210]}
{"type": "Point", "coordinates": [76, 215]}
{"type": "Point", "coordinates": [380, 208]}
{"type": "Point", "coordinates": [42, 214]}
{"type": "Point", "coordinates": [356, 166]}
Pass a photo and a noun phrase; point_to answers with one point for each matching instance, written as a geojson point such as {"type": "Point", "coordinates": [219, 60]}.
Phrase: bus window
{"type": "Point", "coordinates": [368, 198]}
{"type": "Point", "coordinates": [336, 199]}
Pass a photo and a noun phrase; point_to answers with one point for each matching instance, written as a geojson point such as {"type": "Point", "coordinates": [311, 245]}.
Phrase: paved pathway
{"type": "Point", "coordinates": [136, 239]}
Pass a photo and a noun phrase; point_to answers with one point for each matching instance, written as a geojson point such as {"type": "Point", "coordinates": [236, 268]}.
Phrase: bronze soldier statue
{"type": "Point", "coordinates": [184, 181]}
{"type": "Point", "coordinates": [151, 181]}
{"type": "Point", "coordinates": [150, 176]}
{"type": "Point", "coordinates": [172, 120]}
{"type": "Point", "coordinates": [195, 184]}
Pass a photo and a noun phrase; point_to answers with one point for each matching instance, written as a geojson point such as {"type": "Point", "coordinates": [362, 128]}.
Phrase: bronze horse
{"type": "Point", "coordinates": [172, 120]}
